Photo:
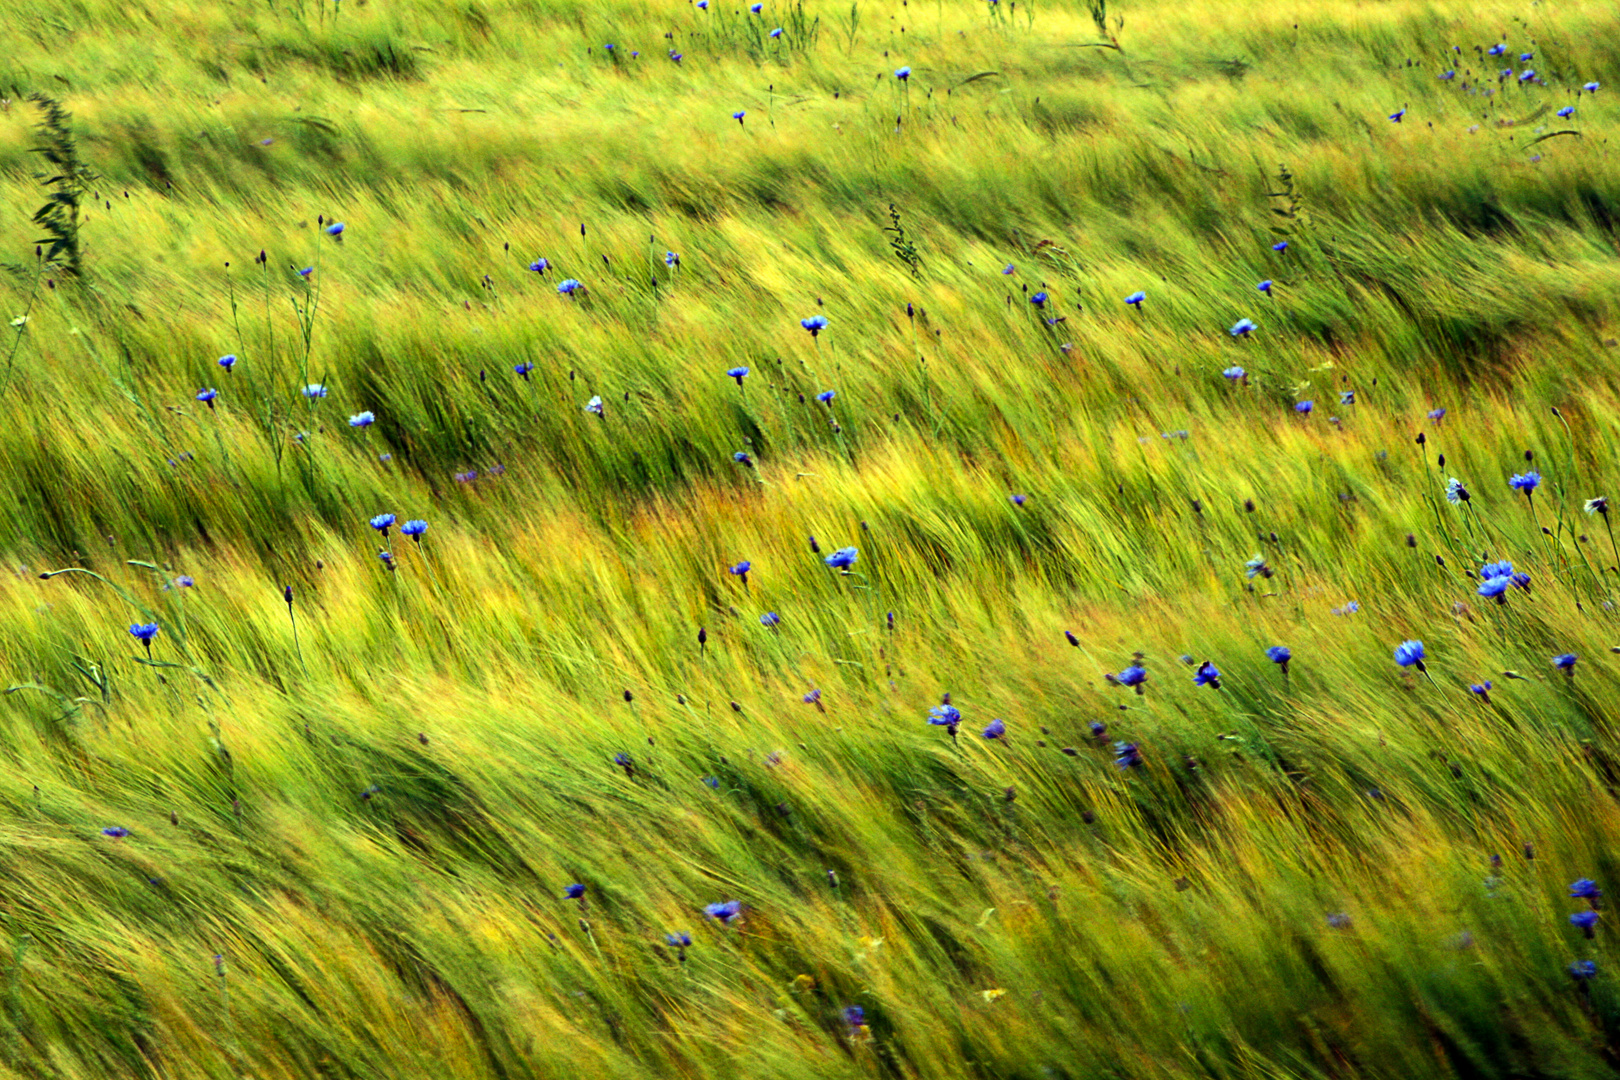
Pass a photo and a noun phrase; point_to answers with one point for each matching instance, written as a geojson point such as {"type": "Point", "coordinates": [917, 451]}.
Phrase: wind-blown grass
{"type": "Point", "coordinates": [352, 817]}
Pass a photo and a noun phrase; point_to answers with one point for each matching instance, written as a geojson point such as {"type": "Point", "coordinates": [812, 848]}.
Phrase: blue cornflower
{"type": "Point", "coordinates": [671, 259]}
{"type": "Point", "coordinates": [855, 1016]}
{"type": "Point", "coordinates": [1591, 87]}
{"type": "Point", "coordinates": [1243, 328]}
{"type": "Point", "coordinates": [1526, 75]}
{"type": "Point", "coordinates": [1481, 690]}
{"type": "Point", "coordinates": [1347, 397]}
{"type": "Point", "coordinates": [1496, 50]}
{"type": "Point", "coordinates": [1410, 654]}
{"type": "Point", "coordinates": [569, 287]}
{"type": "Point", "coordinates": [1281, 245]}
{"type": "Point", "coordinates": [1235, 373]}
{"type": "Point", "coordinates": [523, 369]}
{"type": "Point", "coordinates": [1127, 755]}
{"type": "Point", "coordinates": [813, 698]}
{"type": "Point", "coordinates": [902, 73]}
{"type": "Point", "coordinates": [738, 373]}
{"type": "Point", "coordinates": [1098, 729]}
{"type": "Point", "coordinates": [595, 406]}
{"type": "Point", "coordinates": [1135, 299]}
{"type": "Point", "coordinates": [1437, 415]}
{"type": "Point", "coordinates": [1207, 675]}
{"type": "Point", "coordinates": [362, 419]}
{"type": "Point", "coordinates": [995, 729]}
{"type": "Point", "coordinates": [678, 941]}
{"type": "Point", "coordinates": [1566, 112]}
{"type": "Point", "coordinates": [207, 396]}
{"type": "Point", "coordinates": [540, 265]}
{"type": "Point", "coordinates": [1456, 494]}
{"type": "Point", "coordinates": [945, 716]}
{"type": "Point", "coordinates": [1585, 889]}
{"type": "Point", "coordinates": [777, 32]}
{"type": "Point", "coordinates": [843, 558]}
{"type": "Point", "coordinates": [1133, 676]}
{"type": "Point", "coordinates": [1525, 482]}
{"type": "Point", "coordinates": [144, 632]}
{"type": "Point", "coordinates": [1494, 587]}
{"type": "Point", "coordinates": [335, 229]}
{"type": "Point", "coordinates": [712, 781]}
{"type": "Point", "coordinates": [115, 832]}
{"type": "Point", "coordinates": [1017, 500]}
{"type": "Point", "coordinates": [738, 116]}
{"type": "Point", "coordinates": [741, 570]}
{"type": "Point", "coordinates": [1265, 286]}
{"type": "Point", "coordinates": [826, 395]}
{"type": "Point", "coordinates": [1280, 655]}
{"type": "Point", "coordinates": [756, 8]}
{"type": "Point", "coordinates": [1521, 581]}
{"type": "Point", "coordinates": [741, 457]}
{"type": "Point", "coordinates": [414, 528]}
{"type": "Point", "coordinates": [724, 912]}
{"type": "Point", "coordinates": [1598, 504]}
{"type": "Point", "coordinates": [1009, 268]}
{"type": "Point", "coordinates": [1583, 969]}
{"type": "Point", "coordinates": [1447, 76]}
{"type": "Point", "coordinates": [1586, 920]}
{"type": "Point", "coordinates": [1397, 115]}
{"type": "Point", "coordinates": [1304, 407]}
{"type": "Point", "coordinates": [305, 272]}
{"type": "Point", "coordinates": [314, 390]}
{"type": "Point", "coordinates": [770, 620]}
{"type": "Point", "coordinates": [228, 361]}
{"type": "Point", "coordinates": [1256, 567]}
{"type": "Point", "coordinates": [574, 892]}
{"type": "Point", "coordinates": [1039, 299]}
{"type": "Point", "coordinates": [1350, 608]}
{"type": "Point", "coordinates": [1565, 662]}
{"type": "Point", "coordinates": [1500, 569]}
{"type": "Point", "coordinates": [184, 581]}
{"type": "Point", "coordinates": [815, 324]}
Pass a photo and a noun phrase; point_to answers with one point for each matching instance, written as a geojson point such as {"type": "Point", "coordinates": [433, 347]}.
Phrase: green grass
{"type": "Point", "coordinates": [370, 814]}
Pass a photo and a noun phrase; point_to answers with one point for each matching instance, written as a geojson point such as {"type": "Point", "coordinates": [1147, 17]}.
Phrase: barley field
{"type": "Point", "coordinates": [994, 540]}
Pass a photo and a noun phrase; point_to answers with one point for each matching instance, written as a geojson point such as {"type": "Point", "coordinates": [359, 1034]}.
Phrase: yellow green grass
{"type": "Point", "coordinates": [368, 805]}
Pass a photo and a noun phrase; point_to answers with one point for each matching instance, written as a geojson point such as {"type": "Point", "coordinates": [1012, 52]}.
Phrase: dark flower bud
{"type": "Point", "coordinates": [1442, 461]}
{"type": "Point", "coordinates": [1010, 794]}
{"type": "Point", "coordinates": [174, 817]}
{"type": "Point", "coordinates": [736, 707]}
{"type": "Point", "coordinates": [1088, 817]}
{"type": "Point", "coordinates": [1529, 455]}
{"type": "Point", "coordinates": [1529, 851]}
{"type": "Point", "coordinates": [1071, 751]}
{"type": "Point", "coordinates": [421, 737]}
{"type": "Point", "coordinates": [1072, 639]}
{"type": "Point", "coordinates": [1422, 438]}
{"type": "Point", "coordinates": [1411, 541]}
{"type": "Point", "coordinates": [1439, 560]}
{"type": "Point", "coordinates": [703, 636]}
{"type": "Point", "coordinates": [628, 696]}
{"type": "Point", "coordinates": [1248, 506]}
{"type": "Point", "coordinates": [286, 594]}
